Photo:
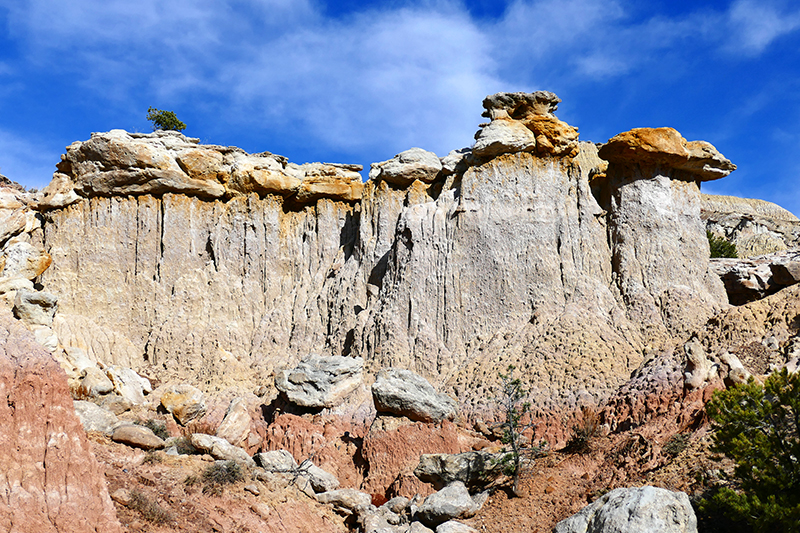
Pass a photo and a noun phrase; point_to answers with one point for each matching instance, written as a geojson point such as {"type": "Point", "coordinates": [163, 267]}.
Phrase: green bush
{"type": "Point", "coordinates": [720, 247]}
{"type": "Point", "coordinates": [518, 450]}
{"type": "Point", "coordinates": [757, 427]}
{"type": "Point", "coordinates": [164, 120]}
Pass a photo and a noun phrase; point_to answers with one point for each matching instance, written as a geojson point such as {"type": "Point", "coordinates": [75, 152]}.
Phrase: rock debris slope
{"type": "Point", "coordinates": [210, 265]}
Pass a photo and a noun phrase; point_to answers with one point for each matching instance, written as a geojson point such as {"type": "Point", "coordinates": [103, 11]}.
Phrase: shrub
{"type": "Point", "coordinates": [216, 476]}
{"type": "Point", "coordinates": [584, 432]}
{"type": "Point", "coordinates": [148, 508]}
{"type": "Point", "coordinates": [152, 457]}
{"type": "Point", "coordinates": [164, 120]}
{"type": "Point", "coordinates": [676, 444]}
{"type": "Point", "coordinates": [757, 427]}
{"type": "Point", "coordinates": [720, 247]}
{"type": "Point", "coordinates": [519, 450]}
{"type": "Point", "coordinates": [158, 428]}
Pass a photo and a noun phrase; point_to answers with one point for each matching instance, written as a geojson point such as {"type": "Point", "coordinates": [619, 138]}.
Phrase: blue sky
{"type": "Point", "coordinates": [358, 81]}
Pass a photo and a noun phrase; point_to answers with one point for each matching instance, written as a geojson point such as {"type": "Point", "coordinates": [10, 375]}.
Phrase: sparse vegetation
{"type": "Point", "coordinates": [183, 445]}
{"type": "Point", "coordinates": [676, 444]}
{"type": "Point", "coordinates": [164, 120]}
{"type": "Point", "coordinates": [216, 476]}
{"type": "Point", "coordinates": [149, 508]}
{"type": "Point", "coordinates": [584, 432]}
{"type": "Point", "coordinates": [519, 450]}
{"type": "Point", "coordinates": [158, 428]}
{"type": "Point", "coordinates": [720, 247]}
{"type": "Point", "coordinates": [757, 427]}
{"type": "Point", "coordinates": [152, 457]}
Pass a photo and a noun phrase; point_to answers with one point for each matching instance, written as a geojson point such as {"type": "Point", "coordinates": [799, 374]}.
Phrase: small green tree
{"type": "Point", "coordinates": [720, 247]}
{"type": "Point", "coordinates": [757, 427]}
{"type": "Point", "coordinates": [164, 120]}
{"type": "Point", "coordinates": [519, 449]}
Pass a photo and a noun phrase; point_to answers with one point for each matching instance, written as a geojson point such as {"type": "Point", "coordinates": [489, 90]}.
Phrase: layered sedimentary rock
{"type": "Point", "coordinates": [210, 265]}
{"type": "Point", "coordinates": [756, 227]}
{"type": "Point", "coordinates": [49, 478]}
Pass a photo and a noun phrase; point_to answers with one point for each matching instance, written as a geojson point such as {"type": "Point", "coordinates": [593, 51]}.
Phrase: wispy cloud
{"type": "Point", "coordinates": [756, 25]}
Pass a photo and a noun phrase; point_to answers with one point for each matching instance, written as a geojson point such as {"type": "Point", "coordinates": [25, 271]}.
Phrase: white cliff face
{"type": "Point", "coordinates": [493, 260]}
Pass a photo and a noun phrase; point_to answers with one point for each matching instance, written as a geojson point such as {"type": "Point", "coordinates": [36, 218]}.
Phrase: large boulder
{"type": "Point", "coordinates": [502, 136]}
{"type": "Point", "coordinates": [276, 461]}
{"type": "Point", "coordinates": [474, 469]}
{"type": "Point", "coordinates": [453, 501]}
{"type": "Point", "coordinates": [49, 477]}
{"type": "Point", "coordinates": [405, 393]}
{"type": "Point", "coordinates": [185, 402]}
{"type": "Point", "coordinates": [406, 167]}
{"type": "Point", "coordinates": [95, 418]}
{"type": "Point", "coordinates": [23, 260]}
{"type": "Point", "coordinates": [137, 436]}
{"type": "Point", "coordinates": [235, 427]}
{"type": "Point", "coordinates": [221, 449]}
{"type": "Point", "coordinates": [35, 307]}
{"type": "Point", "coordinates": [320, 381]}
{"type": "Point", "coordinates": [633, 510]}
{"type": "Point", "coordinates": [666, 147]}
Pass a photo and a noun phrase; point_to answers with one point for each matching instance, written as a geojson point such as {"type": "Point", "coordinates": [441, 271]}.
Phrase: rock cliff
{"type": "Point", "coordinates": [207, 264]}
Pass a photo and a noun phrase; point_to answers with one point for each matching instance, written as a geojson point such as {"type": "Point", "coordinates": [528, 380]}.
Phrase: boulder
{"type": "Point", "coordinates": [520, 106]}
{"type": "Point", "coordinates": [45, 336]}
{"type": "Point", "coordinates": [185, 402]}
{"type": "Point", "coordinates": [94, 383]}
{"type": "Point", "coordinates": [666, 147]}
{"type": "Point", "coordinates": [452, 526]}
{"type": "Point", "coordinates": [327, 180]}
{"type": "Point", "coordinates": [474, 469]}
{"type": "Point", "coordinates": [502, 136]}
{"type": "Point", "coordinates": [633, 510]}
{"type": "Point", "coordinates": [95, 418]}
{"type": "Point", "coordinates": [351, 500]}
{"type": "Point", "coordinates": [23, 260]}
{"type": "Point", "coordinates": [35, 307]}
{"type": "Point", "coordinates": [456, 160]}
{"type": "Point", "coordinates": [221, 449]}
{"type": "Point", "coordinates": [128, 384]}
{"type": "Point", "coordinates": [8, 285]}
{"type": "Point", "coordinates": [453, 501]}
{"type": "Point", "coordinates": [276, 461]}
{"type": "Point", "coordinates": [138, 437]}
{"type": "Point", "coordinates": [405, 393]}
{"type": "Point", "coordinates": [320, 381]}
{"type": "Point", "coordinates": [321, 480]}
{"type": "Point", "coordinates": [406, 167]}
{"type": "Point", "coordinates": [381, 520]}
{"type": "Point", "coordinates": [699, 369]}
{"type": "Point", "coordinates": [235, 427]}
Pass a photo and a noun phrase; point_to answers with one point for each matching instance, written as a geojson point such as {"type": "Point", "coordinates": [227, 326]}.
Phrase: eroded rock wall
{"type": "Point", "coordinates": [209, 265]}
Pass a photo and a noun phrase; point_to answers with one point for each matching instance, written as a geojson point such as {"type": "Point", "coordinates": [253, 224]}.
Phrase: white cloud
{"type": "Point", "coordinates": [756, 25]}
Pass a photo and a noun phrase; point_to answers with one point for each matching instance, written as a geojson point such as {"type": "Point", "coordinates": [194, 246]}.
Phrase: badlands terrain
{"type": "Point", "coordinates": [174, 311]}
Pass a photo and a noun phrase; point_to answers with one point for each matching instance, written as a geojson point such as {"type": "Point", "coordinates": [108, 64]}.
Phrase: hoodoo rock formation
{"type": "Point", "coordinates": [210, 265]}
{"type": "Point", "coordinates": [216, 304]}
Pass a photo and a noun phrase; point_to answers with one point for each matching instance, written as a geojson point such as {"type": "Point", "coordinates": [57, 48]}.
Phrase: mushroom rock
{"type": "Point", "coordinates": [659, 245]}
